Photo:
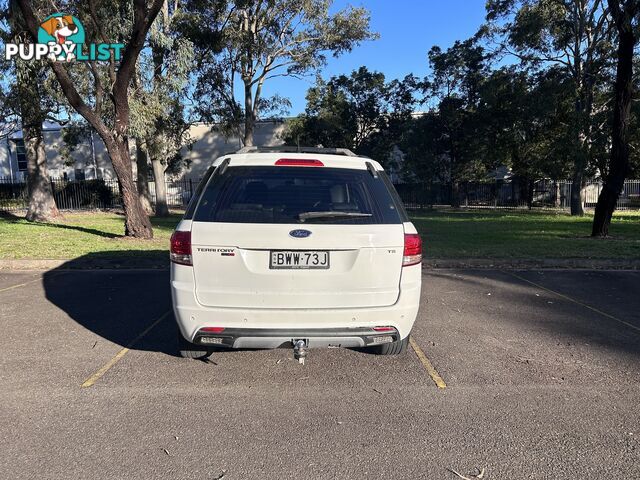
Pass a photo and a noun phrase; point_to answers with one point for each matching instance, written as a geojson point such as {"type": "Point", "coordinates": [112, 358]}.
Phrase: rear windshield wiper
{"type": "Point", "coordinates": [309, 215]}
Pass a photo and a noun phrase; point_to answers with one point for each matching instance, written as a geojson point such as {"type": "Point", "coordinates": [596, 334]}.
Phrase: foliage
{"type": "Point", "coordinates": [158, 103]}
{"type": "Point", "coordinates": [574, 37]}
{"type": "Point", "coordinates": [89, 192]}
{"type": "Point", "coordinates": [254, 41]}
{"type": "Point", "coordinates": [446, 143]}
{"type": "Point", "coordinates": [361, 112]}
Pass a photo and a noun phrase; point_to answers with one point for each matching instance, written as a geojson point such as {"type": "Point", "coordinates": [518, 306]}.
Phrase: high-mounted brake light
{"type": "Point", "coordinates": [412, 249]}
{"type": "Point", "coordinates": [181, 248]}
{"type": "Point", "coordinates": [299, 162]}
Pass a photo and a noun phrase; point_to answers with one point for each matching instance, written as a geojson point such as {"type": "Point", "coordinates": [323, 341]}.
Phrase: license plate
{"type": "Point", "coordinates": [299, 259]}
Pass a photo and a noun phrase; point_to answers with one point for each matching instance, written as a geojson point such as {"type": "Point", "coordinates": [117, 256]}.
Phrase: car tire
{"type": "Point", "coordinates": [394, 348]}
{"type": "Point", "coordinates": [189, 350]}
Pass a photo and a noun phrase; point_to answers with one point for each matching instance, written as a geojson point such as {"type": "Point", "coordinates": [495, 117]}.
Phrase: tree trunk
{"type": "Point", "coordinates": [42, 205]}
{"type": "Point", "coordinates": [577, 192]}
{"type": "Point", "coordinates": [249, 117]}
{"type": "Point", "coordinates": [162, 210]}
{"type": "Point", "coordinates": [137, 223]}
{"type": "Point", "coordinates": [142, 169]}
{"type": "Point", "coordinates": [619, 159]}
{"type": "Point", "coordinates": [556, 194]}
{"type": "Point", "coordinates": [455, 194]}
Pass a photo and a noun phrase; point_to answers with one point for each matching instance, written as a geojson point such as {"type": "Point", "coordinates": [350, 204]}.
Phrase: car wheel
{"type": "Point", "coordinates": [394, 348]}
{"type": "Point", "coordinates": [190, 350]}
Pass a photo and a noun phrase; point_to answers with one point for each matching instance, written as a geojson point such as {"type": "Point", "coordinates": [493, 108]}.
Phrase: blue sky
{"type": "Point", "coordinates": [407, 28]}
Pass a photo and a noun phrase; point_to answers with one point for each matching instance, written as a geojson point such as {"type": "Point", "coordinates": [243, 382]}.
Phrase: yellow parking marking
{"type": "Point", "coordinates": [105, 368]}
{"type": "Point", "coordinates": [433, 373]}
{"type": "Point", "coordinates": [20, 285]}
{"type": "Point", "coordinates": [577, 302]}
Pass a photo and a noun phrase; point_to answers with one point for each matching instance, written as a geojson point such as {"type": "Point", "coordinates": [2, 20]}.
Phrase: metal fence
{"type": "Point", "coordinates": [511, 194]}
{"type": "Point", "coordinates": [89, 194]}
{"type": "Point", "coordinates": [105, 194]}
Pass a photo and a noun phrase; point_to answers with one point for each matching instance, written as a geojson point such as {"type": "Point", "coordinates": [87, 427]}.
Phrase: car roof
{"type": "Point", "coordinates": [270, 158]}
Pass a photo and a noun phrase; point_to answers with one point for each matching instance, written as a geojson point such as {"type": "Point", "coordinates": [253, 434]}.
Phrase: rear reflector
{"type": "Point", "coordinates": [181, 248]}
{"type": "Point", "coordinates": [384, 329]}
{"type": "Point", "coordinates": [299, 162]}
{"type": "Point", "coordinates": [412, 249]}
{"type": "Point", "coordinates": [212, 329]}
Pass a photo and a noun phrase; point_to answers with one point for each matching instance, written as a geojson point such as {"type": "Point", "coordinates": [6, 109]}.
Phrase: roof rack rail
{"type": "Point", "coordinates": [294, 149]}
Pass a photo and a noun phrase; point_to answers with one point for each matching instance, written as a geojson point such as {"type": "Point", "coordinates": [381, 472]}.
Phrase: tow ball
{"type": "Point", "coordinates": [300, 350]}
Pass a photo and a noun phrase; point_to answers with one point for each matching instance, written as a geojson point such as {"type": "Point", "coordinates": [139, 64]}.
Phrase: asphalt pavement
{"type": "Point", "coordinates": [541, 368]}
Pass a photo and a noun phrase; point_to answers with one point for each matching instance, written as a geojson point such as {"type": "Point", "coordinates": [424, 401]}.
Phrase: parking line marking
{"type": "Point", "coordinates": [433, 373]}
{"type": "Point", "coordinates": [578, 302]}
{"type": "Point", "coordinates": [105, 368]}
{"type": "Point", "coordinates": [20, 285]}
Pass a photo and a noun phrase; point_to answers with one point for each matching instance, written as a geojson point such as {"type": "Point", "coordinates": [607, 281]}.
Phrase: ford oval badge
{"type": "Point", "coordinates": [299, 233]}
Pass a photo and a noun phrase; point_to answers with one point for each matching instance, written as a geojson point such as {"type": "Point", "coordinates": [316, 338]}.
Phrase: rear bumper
{"type": "Point", "coordinates": [270, 328]}
{"type": "Point", "coordinates": [275, 338]}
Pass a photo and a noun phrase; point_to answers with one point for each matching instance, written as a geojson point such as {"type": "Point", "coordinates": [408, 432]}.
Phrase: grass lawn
{"type": "Point", "coordinates": [447, 234]}
{"type": "Point", "coordinates": [522, 234]}
{"type": "Point", "coordinates": [79, 234]}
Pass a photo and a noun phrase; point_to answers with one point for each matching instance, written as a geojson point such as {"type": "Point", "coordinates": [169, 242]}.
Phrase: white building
{"type": "Point", "coordinates": [90, 159]}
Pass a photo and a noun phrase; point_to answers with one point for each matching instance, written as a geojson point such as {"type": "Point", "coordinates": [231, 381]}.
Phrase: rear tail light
{"type": "Point", "coordinates": [299, 162]}
{"type": "Point", "coordinates": [412, 249]}
{"type": "Point", "coordinates": [181, 248]}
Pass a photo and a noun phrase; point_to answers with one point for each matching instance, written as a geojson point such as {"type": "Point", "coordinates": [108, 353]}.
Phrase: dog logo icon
{"type": "Point", "coordinates": [61, 38]}
{"type": "Point", "coordinates": [64, 30]}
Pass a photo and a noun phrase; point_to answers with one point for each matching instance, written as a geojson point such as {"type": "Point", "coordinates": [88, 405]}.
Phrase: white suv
{"type": "Point", "coordinates": [299, 247]}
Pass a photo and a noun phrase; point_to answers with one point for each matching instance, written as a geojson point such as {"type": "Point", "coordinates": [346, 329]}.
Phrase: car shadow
{"type": "Point", "coordinates": [104, 295]}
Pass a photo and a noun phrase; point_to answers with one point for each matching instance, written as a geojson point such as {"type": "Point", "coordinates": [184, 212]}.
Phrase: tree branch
{"type": "Point", "coordinates": [142, 20]}
{"type": "Point", "coordinates": [98, 26]}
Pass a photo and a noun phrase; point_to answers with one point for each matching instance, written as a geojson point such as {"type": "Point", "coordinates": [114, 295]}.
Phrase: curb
{"type": "Point", "coordinates": [124, 263]}
{"type": "Point", "coordinates": [524, 264]}
{"type": "Point", "coordinates": [121, 263]}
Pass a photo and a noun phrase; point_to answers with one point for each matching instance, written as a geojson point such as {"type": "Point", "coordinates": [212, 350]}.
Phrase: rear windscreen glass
{"type": "Point", "coordinates": [263, 194]}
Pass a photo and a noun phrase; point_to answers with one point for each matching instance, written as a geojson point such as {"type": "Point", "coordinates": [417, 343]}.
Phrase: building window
{"type": "Point", "coordinates": [78, 174]}
{"type": "Point", "coordinates": [21, 155]}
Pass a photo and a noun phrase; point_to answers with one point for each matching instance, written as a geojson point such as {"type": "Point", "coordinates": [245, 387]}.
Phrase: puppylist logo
{"type": "Point", "coordinates": [62, 38]}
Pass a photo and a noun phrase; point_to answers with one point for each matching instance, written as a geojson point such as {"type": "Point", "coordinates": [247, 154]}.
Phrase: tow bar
{"type": "Point", "coordinates": [300, 350]}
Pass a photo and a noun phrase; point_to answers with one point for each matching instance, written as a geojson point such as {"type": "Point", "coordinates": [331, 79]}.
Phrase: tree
{"type": "Point", "coordinates": [113, 126]}
{"type": "Point", "coordinates": [259, 40]}
{"type": "Point", "coordinates": [458, 73]}
{"type": "Point", "coordinates": [574, 35]}
{"type": "Point", "coordinates": [26, 99]}
{"type": "Point", "coordinates": [158, 118]}
{"type": "Point", "coordinates": [525, 118]}
{"type": "Point", "coordinates": [360, 111]}
{"type": "Point", "coordinates": [625, 15]}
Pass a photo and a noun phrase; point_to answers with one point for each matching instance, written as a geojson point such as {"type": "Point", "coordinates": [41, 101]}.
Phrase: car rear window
{"type": "Point", "coordinates": [265, 194]}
